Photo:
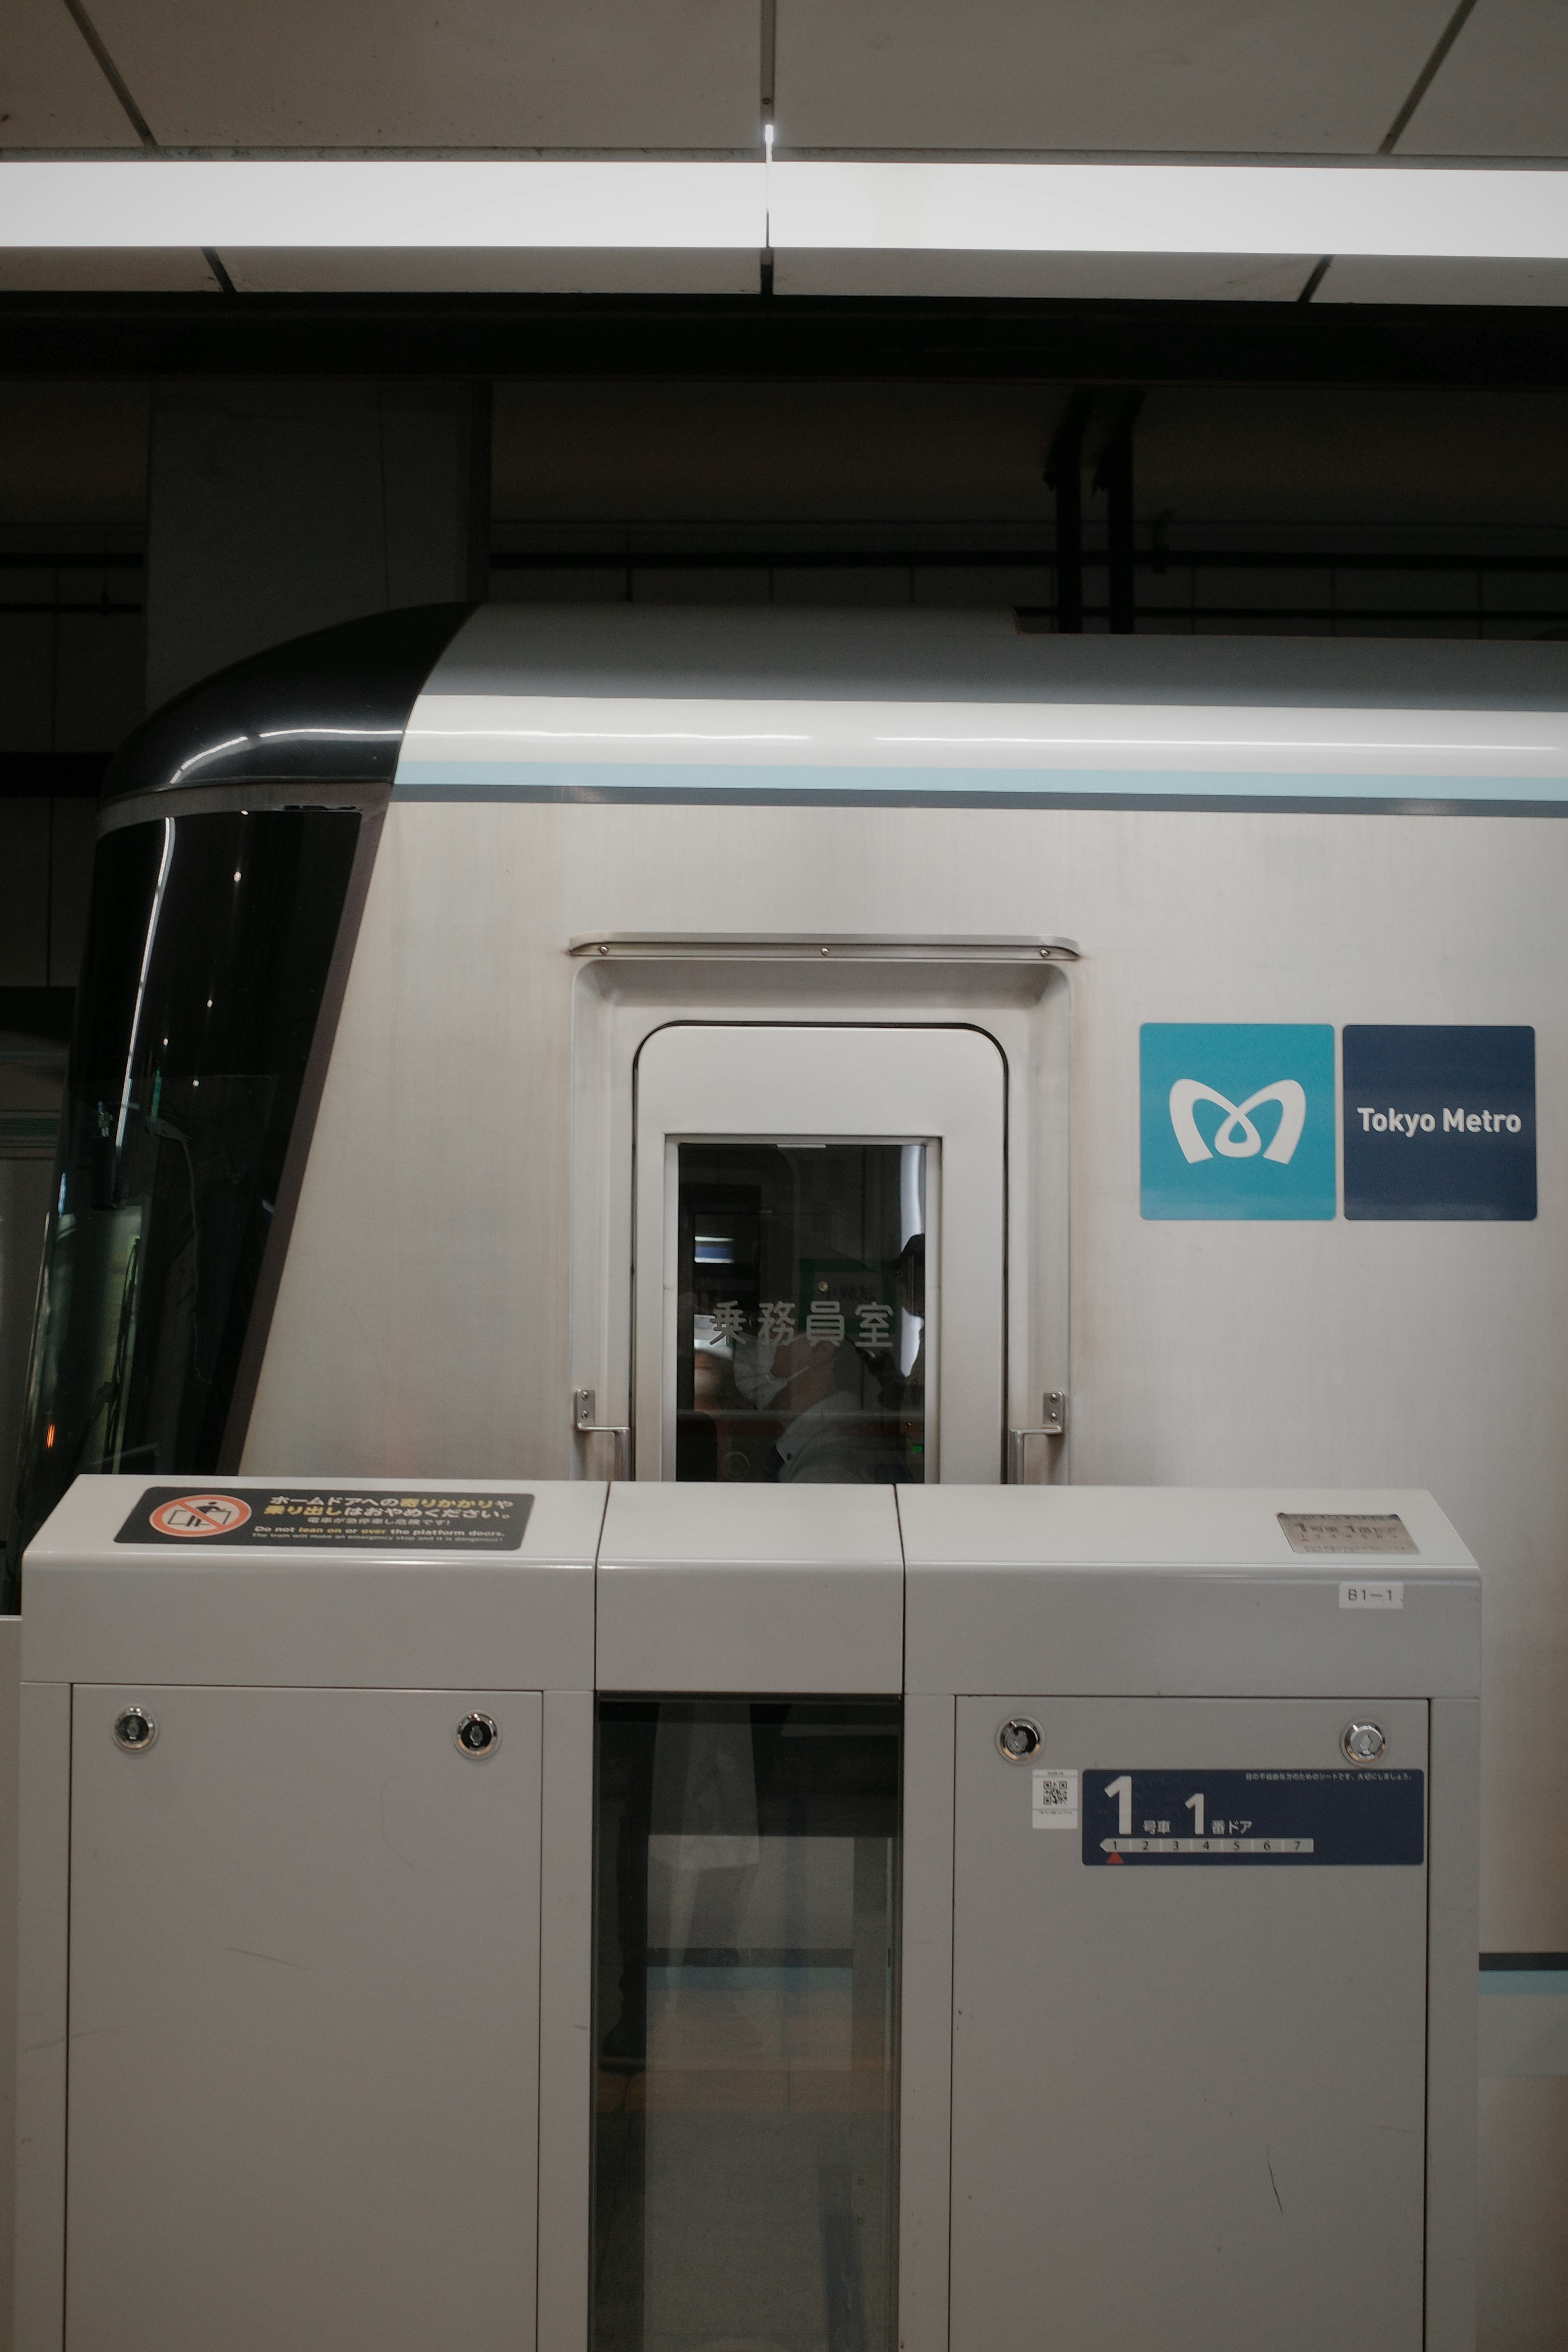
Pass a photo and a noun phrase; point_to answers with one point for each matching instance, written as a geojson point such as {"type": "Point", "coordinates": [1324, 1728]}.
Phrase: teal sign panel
{"type": "Point", "coordinates": [1237, 1119]}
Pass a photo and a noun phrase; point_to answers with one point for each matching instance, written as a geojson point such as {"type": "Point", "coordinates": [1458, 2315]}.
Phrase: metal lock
{"type": "Point", "coordinates": [134, 1729]}
{"type": "Point", "coordinates": [1019, 1739]}
{"type": "Point", "coordinates": [1362, 1743]}
{"type": "Point", "coordinates": [477, 1736]}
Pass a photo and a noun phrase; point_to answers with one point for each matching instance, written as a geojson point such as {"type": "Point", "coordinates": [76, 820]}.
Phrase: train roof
{"type": "Point", "coordinates": [332, 709]}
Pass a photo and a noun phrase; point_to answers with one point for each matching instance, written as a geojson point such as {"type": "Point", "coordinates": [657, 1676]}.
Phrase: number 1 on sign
{"type": "Point", "coordinates": [1195, 1806]}
{"type": "Point", "coordinates": [1123, 1792]}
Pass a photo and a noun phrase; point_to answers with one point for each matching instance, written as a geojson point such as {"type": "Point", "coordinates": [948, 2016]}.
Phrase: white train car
{"type": "Point", "coordinates": [858, 1047]}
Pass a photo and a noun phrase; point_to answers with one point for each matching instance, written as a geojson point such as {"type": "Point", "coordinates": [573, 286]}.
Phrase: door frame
{"type": "Point", "coordinates": [627, 986]}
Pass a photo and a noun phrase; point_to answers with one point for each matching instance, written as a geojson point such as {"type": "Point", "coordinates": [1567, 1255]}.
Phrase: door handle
{"type": "Point", "coordinates": [583, 1423]}
{"type": "Point", "coordinates": [1053, 1423]}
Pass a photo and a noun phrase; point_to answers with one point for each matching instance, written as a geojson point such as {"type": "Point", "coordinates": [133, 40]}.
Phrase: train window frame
{"type": "Point", "coordinates": [942, 1084]}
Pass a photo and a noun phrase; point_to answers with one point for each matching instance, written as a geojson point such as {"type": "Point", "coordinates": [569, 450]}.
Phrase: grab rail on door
{"type": "Point", "coordinates": [583, 1423]}
{"type": "Point", "coordinates": [1053, 1423]}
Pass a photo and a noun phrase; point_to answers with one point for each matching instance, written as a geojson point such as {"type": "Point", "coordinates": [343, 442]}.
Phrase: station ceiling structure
{"type": "Point", "coordinates": [1222, 152]}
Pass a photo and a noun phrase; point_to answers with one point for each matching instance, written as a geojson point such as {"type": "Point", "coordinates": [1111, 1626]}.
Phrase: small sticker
{"type": "Point", "coordinates": [1372, 1596]}
{"type": "Point", "coordinates": [1056, 1800]}
{"type": "Point", "coordinates": [1342, 1531]}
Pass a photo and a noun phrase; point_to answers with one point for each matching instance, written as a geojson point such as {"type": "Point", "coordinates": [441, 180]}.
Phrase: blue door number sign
{"type": "Point", "coordinates": [1273, 1818]}
{"type": "Point", "coordinates": [1440, 1121]}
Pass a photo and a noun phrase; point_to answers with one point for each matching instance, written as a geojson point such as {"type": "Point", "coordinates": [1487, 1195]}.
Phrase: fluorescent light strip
{"type": "Point", "coordinates": [504, 730]}
{"type": "Point", "coordinates": [152, 202]}
{"type": "Point", "coordinates": [1147, 208]}
{"type": "Point", "coordinates": [1170, 208]}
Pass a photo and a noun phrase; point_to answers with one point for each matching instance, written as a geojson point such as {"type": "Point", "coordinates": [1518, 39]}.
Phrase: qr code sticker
{"type": "Point", "coordinates": [1056, 1800]}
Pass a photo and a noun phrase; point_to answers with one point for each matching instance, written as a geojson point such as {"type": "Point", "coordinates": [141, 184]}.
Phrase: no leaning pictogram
{"type": "Point", "coordinates": [200, 1514]}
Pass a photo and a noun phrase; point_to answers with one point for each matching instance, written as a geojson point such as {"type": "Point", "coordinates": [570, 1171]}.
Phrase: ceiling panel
{"type": "Point", "coordinates": [487, 271]}
{"type": "Point", "coordinates": [440, 73]}
{"type": "Point", "coordinates": [1502, 89]}
{"type": "Point", "coordinates": [1059, 277]}
{"type": "Point", "coordinates": [1158, 77]}
{"type": "Point", "coordinates": [27, 270]}
{"type": "Point", "coordinates": [51, 91]}
{"type": "Point", "coordinates": [1376, 277]}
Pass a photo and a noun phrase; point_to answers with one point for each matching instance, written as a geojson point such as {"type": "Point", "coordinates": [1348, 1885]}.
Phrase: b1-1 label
{"type": "Point", "coordinates": [1273, 1816]}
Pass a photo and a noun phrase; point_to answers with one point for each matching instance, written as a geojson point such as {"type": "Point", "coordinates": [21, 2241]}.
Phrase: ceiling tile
{"type": "Point", "coordinates": [61, 270]}
{"type": "Point", "coordinates": [1500, 88]}
{"type": "Point", "coordinates": [255, 270]}
{"type": "Point", "coordinates": [676, 74]}
{"type": "Point", "coordinates": [1069, 277]}
{"type": "Point", "coordinates": [52, 93]}
{"type": "Point", "coordinates": [1154, 77]}
{"type": "Point", "coordinates": [1376, 277]}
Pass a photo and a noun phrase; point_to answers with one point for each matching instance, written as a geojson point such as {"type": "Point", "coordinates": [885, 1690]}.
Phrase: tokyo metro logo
{"type": "Point", "coordinates": [1236, 1136]}
{"type": "Point", "coordinates": [1237, 1119]}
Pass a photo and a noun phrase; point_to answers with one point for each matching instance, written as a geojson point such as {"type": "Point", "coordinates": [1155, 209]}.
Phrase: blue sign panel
{"type": "Point", "coordinates": [1238, 1118]}
{"type": "Point", "coordinates": [1439, 1122]}
{"type": "Point", "coordinates": [1267, 1819]}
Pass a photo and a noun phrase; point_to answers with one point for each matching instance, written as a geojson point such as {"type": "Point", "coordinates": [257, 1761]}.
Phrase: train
{"type": "Point", "coordinates": [763, 1045]}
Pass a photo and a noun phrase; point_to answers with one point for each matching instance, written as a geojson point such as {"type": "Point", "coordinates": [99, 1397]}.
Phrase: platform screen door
{"type": "Point", "coordinates": [819, 1279]}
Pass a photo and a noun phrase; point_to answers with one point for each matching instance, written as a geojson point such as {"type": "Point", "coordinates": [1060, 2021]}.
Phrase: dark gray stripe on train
{"type": "Point", "coordinates": [1234, 804]}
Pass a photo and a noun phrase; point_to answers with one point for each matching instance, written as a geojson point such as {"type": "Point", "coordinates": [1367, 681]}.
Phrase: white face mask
{"type": "Point", "coordinates": [752, 1366]}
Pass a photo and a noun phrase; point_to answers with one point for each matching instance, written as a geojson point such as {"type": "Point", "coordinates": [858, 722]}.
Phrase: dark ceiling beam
{"type": "Point", "coordinates": [630, 337]}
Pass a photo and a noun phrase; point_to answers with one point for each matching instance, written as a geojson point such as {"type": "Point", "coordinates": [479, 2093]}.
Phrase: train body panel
{"type": "Point", "coordinates": [424, 1316]}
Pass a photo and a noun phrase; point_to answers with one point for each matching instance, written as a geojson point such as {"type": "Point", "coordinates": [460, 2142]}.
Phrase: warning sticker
{"type": "Point", "coordinates": [337, 1518]}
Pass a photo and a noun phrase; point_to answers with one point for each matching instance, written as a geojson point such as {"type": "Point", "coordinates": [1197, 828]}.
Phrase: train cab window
{"type": "Point", "coordinates": [818, 1259]}
{"type": "Point", "coordinates": [209, 944]}
{"type": "Point", "coordinates": [801, 1336]}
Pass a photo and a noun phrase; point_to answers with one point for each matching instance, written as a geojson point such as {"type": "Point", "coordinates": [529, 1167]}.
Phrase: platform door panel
{"type": "Point", "coordinates": [820, 1253]}
{"type": "Point", "coordinates": [1189, 2089]}
{"type": "Point", "coordinates": [304, 2023]}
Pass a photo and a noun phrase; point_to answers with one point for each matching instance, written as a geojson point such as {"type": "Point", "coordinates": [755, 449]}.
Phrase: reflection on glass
{"type": "Point", "coordinates": [800, 1355]}
{"type": "Point", "coordinates": [207, 954]}
{"type": "Point", "coordinates": [746, 1861]}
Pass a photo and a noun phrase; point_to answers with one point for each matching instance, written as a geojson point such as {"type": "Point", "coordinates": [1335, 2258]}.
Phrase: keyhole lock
{"type": "Point", "coordinates": [134, 1729]}
{"type": "Point", "coordinates": [477, 1736]}
{"type": "Point", "coordinates": [1019, 1739]}
{"type": "Point", "coordinates": [1362, 1743]}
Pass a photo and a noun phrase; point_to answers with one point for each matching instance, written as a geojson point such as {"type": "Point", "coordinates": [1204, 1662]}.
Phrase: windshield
{"type": "Point", "coordinates": [208, 947]}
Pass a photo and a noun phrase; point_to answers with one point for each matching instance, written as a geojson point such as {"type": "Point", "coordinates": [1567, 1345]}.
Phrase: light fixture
{"type": "Point", "coordinates": [285, 203]}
